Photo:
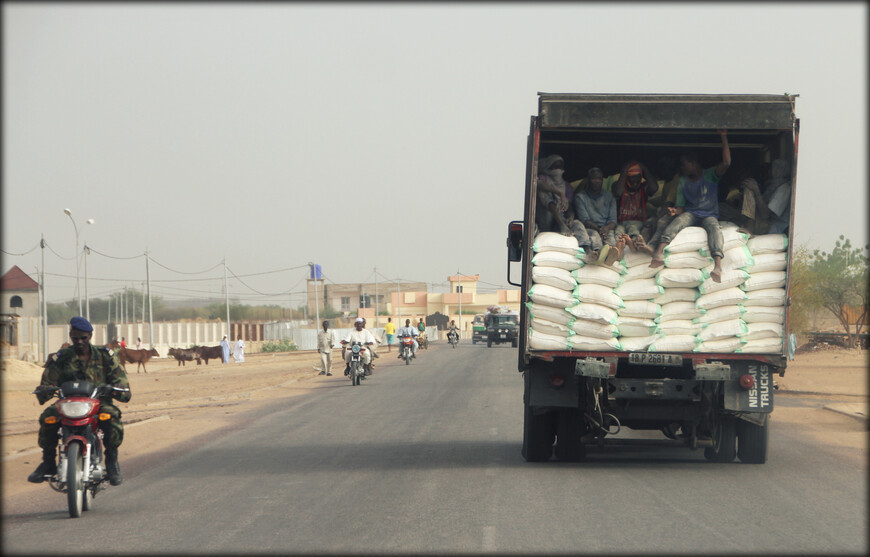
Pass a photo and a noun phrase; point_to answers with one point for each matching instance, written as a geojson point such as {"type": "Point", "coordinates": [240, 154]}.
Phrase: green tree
{"type": "Point", "coordinates": [838, 283]}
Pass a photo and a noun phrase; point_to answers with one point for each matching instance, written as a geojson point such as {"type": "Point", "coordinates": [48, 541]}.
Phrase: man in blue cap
{"type": "Point", "coordinates": [82, 362]}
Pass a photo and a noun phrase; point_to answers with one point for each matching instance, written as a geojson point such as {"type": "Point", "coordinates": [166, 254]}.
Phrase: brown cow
{"type": "Point", "coordinates": [139, 357]}
{"type": "Point", "coordinates": [183, 355]}
{"type": "Point", "coordinates": [210, 352]}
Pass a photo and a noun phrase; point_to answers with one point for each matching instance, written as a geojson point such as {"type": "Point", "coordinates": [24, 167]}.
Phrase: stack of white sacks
{"type": "Point", "coordinates": [675, 308]}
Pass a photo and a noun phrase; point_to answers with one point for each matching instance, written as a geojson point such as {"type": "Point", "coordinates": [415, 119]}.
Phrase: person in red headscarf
{"type": "Point", "coordinates": [635, 185]}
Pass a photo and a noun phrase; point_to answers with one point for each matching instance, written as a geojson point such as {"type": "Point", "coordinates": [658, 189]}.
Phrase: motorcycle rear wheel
{"type": "Point", "coordinates": [74, 486]}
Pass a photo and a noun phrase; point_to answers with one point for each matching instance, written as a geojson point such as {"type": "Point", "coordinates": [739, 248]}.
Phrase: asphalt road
{"type": "Point", "coordinates": [426, 458]}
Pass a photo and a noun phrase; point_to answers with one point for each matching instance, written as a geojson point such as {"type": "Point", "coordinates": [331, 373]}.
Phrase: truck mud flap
{"type": "Point", "coordinates": [757, 398]}
{"type": "Point", "coordinates": [554, 387]}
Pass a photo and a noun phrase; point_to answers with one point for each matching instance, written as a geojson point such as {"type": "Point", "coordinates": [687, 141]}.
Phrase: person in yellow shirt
{"type": "Point", "coordinates": [390, 332]}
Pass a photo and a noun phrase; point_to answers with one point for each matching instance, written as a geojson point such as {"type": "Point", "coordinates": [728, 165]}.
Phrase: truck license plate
{"type": "Point", "coordinates": [504, 336]}
{"type": "Point", "coordinates": [653, 359]}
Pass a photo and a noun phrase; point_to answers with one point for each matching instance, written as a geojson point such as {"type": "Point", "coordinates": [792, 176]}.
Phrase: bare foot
{"type": "Point", "coordinates": [615, 253]}
{"type": "Point", "coordinates": [716, 275]}
{"type": "Point", "coordinates": [642, 247]}
{"type": "Point", "coordinates": [628, 241]}
{"type": "Point", "coordinates": [656, 263]}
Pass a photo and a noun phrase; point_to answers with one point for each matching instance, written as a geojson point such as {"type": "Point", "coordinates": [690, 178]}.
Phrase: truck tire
{"type": "Point", "coordinates": [489, 343]}
{"type": "Point", "coordinates": [570, 428]}
{"type": "Point", "coordinates": [514, 343]}
{"type": "Point", "coordinates": [724, 447]}
{"type": "Point", "coordinates": [752, 442]}
{"type": "Point", "coordinates": [539, 431]}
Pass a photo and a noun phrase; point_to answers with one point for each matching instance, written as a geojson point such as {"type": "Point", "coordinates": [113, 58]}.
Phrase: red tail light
{"type": "Point", "coordinates": [557, 380]}
{"type": "Point", "coordinates": [747, 381]}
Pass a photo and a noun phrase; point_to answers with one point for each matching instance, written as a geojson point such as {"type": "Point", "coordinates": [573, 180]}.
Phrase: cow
{"type": "Point", "coordinates": [210, 352]}
{"type": "Point", "coordinates": [183, 355]}
{"type": "Point", "coordinates": [139, 357]}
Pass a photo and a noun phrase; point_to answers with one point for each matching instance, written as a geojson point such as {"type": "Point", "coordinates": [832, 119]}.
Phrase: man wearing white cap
{"type": "Point", "coordinates": [363, 336]}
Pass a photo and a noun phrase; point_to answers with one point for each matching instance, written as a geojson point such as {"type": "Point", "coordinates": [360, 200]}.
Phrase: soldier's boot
{"type": "Point", "coordinates": [48, 467]}
{"type": "Point", "coordinates": [113, 469]}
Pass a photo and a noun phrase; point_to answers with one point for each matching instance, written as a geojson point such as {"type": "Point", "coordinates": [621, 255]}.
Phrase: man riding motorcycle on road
{"type": "Point", "coordinates": [408, 331]}
{"type": "Point", "coordinates": [364, 337]}
{"type": "Point", "coordinates": [82, 362]}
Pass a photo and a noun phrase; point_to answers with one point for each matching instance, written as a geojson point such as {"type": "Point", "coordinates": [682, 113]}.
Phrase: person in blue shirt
{"type": "Point", "coordinates": [697, 204]}
{"type": "Point", "coordinates": [596, 209]}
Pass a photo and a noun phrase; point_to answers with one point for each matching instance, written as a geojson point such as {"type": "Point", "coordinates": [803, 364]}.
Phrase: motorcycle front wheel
{"type": "Point", "coordinates": [74, 486]}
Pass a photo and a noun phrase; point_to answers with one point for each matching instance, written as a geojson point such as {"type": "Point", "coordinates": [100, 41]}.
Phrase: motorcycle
{"type": "Point", "coordinates": [81, 473]}
{"type": "Point", "coordinates": [357, 367]}
{"type": "Point", "coordinates": [406, 348]}
{"type": "Point", "coordinates": [453, 338]}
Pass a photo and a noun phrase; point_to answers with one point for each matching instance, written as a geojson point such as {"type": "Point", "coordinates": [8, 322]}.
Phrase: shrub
{"type": "Point", "coordinates": [283, 345]}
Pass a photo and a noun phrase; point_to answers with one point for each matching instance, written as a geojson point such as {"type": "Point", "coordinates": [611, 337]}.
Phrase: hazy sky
{"type": "Point", "coordinates": [363, 136]}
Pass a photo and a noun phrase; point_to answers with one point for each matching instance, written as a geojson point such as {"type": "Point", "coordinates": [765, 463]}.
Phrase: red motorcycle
{"type": "Point", "coordinates": [406, 349]}
{"type": "Point", "coordinates": [81, 473]}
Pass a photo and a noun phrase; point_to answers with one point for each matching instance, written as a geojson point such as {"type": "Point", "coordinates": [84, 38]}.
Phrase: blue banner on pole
{"type": "Point", "coordinates": [315, 272]}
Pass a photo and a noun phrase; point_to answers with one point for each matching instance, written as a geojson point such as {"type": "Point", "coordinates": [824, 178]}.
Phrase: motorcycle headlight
{"type": "Point", "coordinates": [356, 348]}
{"type": "Point", "coordinates": [75, 409]}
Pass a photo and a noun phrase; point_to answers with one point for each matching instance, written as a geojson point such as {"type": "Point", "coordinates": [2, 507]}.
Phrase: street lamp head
{"type": "Point", "coordinates": [68, 212]}
{"type": "Point", "coordinates": [90, 221]}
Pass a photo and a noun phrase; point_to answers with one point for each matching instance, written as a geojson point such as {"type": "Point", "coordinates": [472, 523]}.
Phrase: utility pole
{"type": "Point", "coordinates": [377, 312]}
{"type": "Point", "coordinates": [460, 303]}
{"type": "Point", "coordinates": [150, 312]}
{"type": "Point", "coordinates": [44, 305]}
{"type": "Point", "coordinates": [227, 299]}
{"type": "Point", "coordinates": [87, 298]}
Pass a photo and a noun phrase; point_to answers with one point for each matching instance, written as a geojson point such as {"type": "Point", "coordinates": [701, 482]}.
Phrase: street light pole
{"type": "Point", "coordinates": [68, 213]}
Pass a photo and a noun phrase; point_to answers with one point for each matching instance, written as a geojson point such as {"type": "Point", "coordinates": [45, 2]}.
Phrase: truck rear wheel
{"type": "Point", "coordinates": [514, 343]}
{"type": "Point", "coordinates": [539, 431]}
{"type": "Point", "coordinates": [569, 431]}
{"type": "Point", "coordinates": [752, 441]}
{"type": "Point", "coordinates": [724, 441]}
{"type": "Point", "coordinates": [489, 343]}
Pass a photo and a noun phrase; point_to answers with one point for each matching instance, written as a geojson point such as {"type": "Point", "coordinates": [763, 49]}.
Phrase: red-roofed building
{"type": "Point", "coordinates": [20, 293]}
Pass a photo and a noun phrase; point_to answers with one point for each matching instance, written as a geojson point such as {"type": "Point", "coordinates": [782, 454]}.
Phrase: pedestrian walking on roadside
{"type": "Point", "coordinates": [390, 332]}
{"type": "Point", "coordinates": [239, 350]}
{"type": "Point", "coordinates": [325, 344]}
{"type": "Point", "coordinates": [225, 350]}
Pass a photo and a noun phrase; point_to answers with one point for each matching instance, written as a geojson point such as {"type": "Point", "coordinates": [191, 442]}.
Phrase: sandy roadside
{"type": "Point", "coordinates": [172, 405]}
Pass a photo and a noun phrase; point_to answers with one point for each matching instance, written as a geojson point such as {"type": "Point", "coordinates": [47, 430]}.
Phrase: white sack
{"type": "Point", "coordinates": [639, 289]}
{"type": "Point", "coordinates": [725, 345]}
{"type": "Point", "coordinates": [766, 297]}
{"type": "Point", "coordinates": [589, 344]}
{"type": "Point", "coordinates": [764, 281]}
{"type": "Point", "coordinates": [678, 327]}
{"type": "Point", "coordinates": [679, 310]}
{"type": "Point", "coordinates": [687, 260]}
{"type": "Point", "coordinates": [763, 329]}
{"type": "Point", "coordinates": [640, 272]}
{"type": "Point", "coordinates": [767, 243]}
{"type": "Point", "coordinates": [550, 313]}
{"type": "Point", "coordinates": [634, 258]}
{"type": "Point", "coordinates": [678, 295]}
{"type": "Point", "coordinates": [597, 294]}
{"type": "Point", "coordinates": [735, 258]}
{"type": "Point", "coordinates": [732, 238]}
{"type": "Point", "coordinates": [680, 278]}
{"type": "Point", "coordinates": [691, 238]}
{"type": "Point", "coordinates": [557, 259]}
{"type": "Point", "coordinates": [676, 343]}
{"type": "Point", "coordinates": [551, 296]}
{"type": "Point", "coordinates": [727, 296]}
{"type": "Point", "coordinates": [553, 241]}
{"type": "Point", "coordinates": [635, 327]}
{"type": "Point", "coordinates": [544, 326]}
{"type": "Point", "coordinates": [596, 274]}
{"type": "Point", "coordinates": [553, 276]}
{"type": "Point", "coordinates": [721, 313]}
{"type": "Point", "coordinates": [770, 314]}
{"type": "Point", "coordinates": [637, 344]}
{"type": "Point", "coordinates": [643, 309]}
{"type": "Point", "coordinates": [761, 346]}
{"type": "Point", "coordinates": [734, 277]}
{"type": "Point", "coordinates": [769, 262]}
{"type": "Point", "coordinates": [544, 341]}
{"type": "Point", "coordinates": [722, 329]}
{"type": "Point", "coordinates": [593, 329]}
{"type": "Point", "coordinates": [593, 312]}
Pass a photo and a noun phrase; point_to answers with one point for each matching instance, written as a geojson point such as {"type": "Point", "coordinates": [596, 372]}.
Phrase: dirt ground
{"type": "Point", "coordinates": [172, 405]}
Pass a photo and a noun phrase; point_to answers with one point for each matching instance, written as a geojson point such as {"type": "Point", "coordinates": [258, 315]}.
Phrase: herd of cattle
{"type": "Point", "coordinates": [141, 357]}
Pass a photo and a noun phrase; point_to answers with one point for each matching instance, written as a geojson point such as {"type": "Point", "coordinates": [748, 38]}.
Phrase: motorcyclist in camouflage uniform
{"type": "Point", "coordinates": [83, 362]}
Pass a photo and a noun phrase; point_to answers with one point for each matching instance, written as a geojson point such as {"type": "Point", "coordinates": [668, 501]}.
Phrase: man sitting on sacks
{"type": "Point", "coordinates": [635, 186]}
{"type": "Point", "coordinates": [596, 209]}
{"type": "Point", "coordinates": [697, 204]}
{"type": "Point", "coordinates": [555, 211]}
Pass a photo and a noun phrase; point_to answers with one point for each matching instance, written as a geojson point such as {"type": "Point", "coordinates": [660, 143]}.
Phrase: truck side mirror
{"type": "Point", "coordinates": [515, 241]}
